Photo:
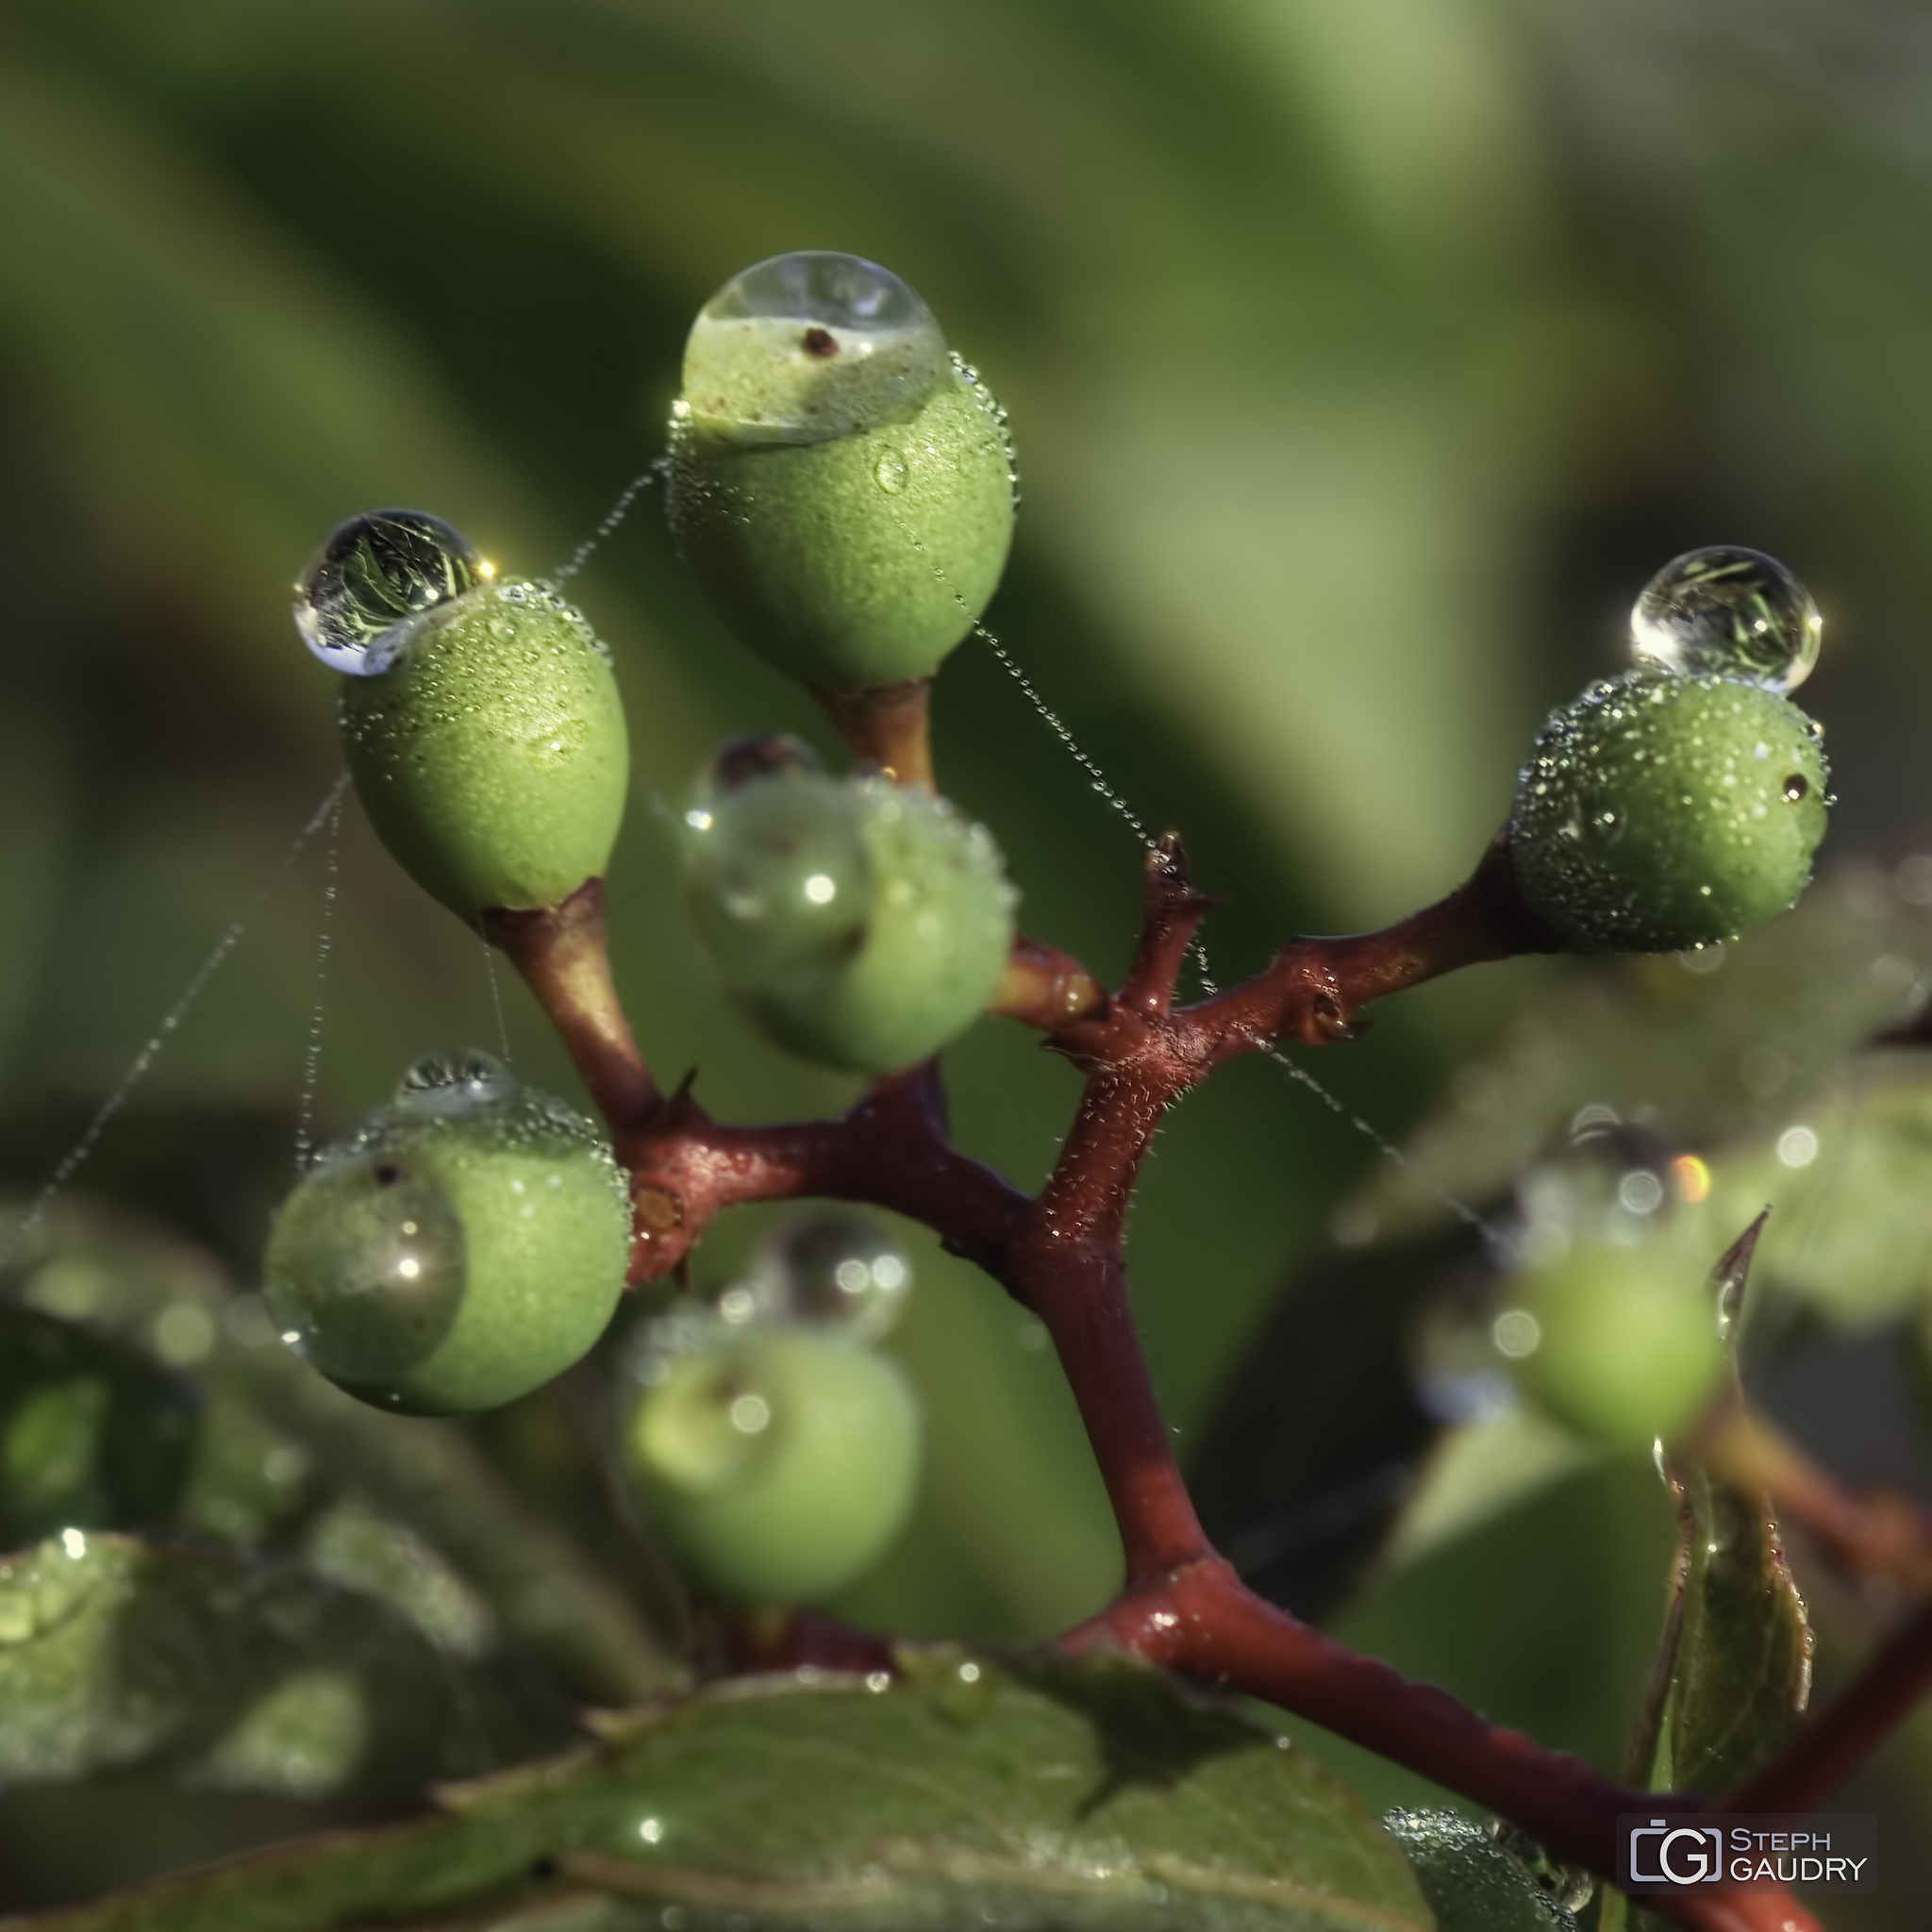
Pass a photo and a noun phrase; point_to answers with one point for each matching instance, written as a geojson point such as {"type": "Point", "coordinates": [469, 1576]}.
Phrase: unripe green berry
{"type": "Point", "coordinates": [1659, 812]}
{"type": "Point", "coordinates": [491, 756]}
{"type": "Point", "coordinates": [778, 1464]}
{"type": "Point", "coordinates": [888, 989]}
{"type": "Point", "coordinates": [1622, 1343]}
{"type": "Point", "coordinates": [842, 485]}
{"type": "Point", "coordinates": [468, 1244]}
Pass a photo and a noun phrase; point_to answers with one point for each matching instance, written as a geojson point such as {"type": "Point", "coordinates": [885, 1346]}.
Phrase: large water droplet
{"type": "Point", "coordinates": [377, 1283]}
{"type": "Point", "coordinates": [441, 1085]}
{"type": "Point", "coordinates": [375, 579]}
{"type": "Point", "coordinates": [776, 870]}
{"type": "Point", "coordinates": [836, 1267]}
{"type": "Point", "coordinates": [1732, 612]}
{"type": "Point", "coordinates": [810, 346]}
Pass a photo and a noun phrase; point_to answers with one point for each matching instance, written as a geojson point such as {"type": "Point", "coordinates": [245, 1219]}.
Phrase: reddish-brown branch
{"type": "Point", "coordinates": [1839, 1736]}
{"type": "Point", "coordinates": [1203, 1622]}
{"type": "Point", "coordinates": [889, 727]}
{"type": "Point", "coordinates": [889, 1150]}
{"type": "Point", "coordinates": [562, 953]}
{"type": "Point", "coordinates": [1047, 988]}
{"type": "Point", "coordinates": [1314, 986]}
{"type": "Point", "coordinates": [1060, 1256]}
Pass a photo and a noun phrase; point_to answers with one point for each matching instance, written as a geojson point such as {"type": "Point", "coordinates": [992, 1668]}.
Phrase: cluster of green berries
{"type": "Point", "coordinates": [1680, 804]}
{"type": "Point", "coordinates": [845, 484]}
{"type": "Point", "coordinates": [773, 1448]}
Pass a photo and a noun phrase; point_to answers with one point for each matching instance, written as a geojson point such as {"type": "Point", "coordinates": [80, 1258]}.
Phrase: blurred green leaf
{"type": "Point", "coordinates": [1313, 1447]}
{"type": "Point", "coordinates": [92, 1435]}
{"type": "Point", "coordinates": [282, 1438]}
{"type": "Point", "coordinates": [1734, 1668]}
{"type": "Point", "coordinates": [116, 1655]}
{"type": "Point", "coordinates": [1700, 1049]}
{"type": "Point", "coordinates": [1037, 1789]}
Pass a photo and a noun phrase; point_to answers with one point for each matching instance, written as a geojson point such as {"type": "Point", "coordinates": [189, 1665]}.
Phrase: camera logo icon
{"type": "Point", "coordinates": [1672, 1853]}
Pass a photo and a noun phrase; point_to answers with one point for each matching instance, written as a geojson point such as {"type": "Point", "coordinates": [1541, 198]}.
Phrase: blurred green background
{"type": "Point", "coordinates": [1363, 361]}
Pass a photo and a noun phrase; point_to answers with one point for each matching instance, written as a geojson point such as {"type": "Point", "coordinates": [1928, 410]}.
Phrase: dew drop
{"type": "Point", "coordinates": [832, 1266]}
{"type": "Point", "coordinates": [1732, 612]}
{"type": "Point", "coordinates": [441, 1085]}
{"type": "Point", "coordinates": [807, 347]}
{"type": "Point", "coordinates": [888, 472]}
{"type": "Point", "coordinates": [367, 589]}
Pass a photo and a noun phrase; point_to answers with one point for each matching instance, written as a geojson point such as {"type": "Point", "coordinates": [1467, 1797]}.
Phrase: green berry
{"type": "Point", "coordinates": [844, 486]}
{"type": "Point", "coordinates": [1661, 812]}
{"type": "Point", "coordinates": [778, 1464]}
{"type": "Point", "coordinates": [1622, 1343]}
{"type": "Point", "coordinates": [873, 992]}
{"type": "Point", "coordinates": [92, 1434]}
{"type": "Point", "coordinates": [490, 751]}
{"type": "Point", "coordinates": [468, 1244]}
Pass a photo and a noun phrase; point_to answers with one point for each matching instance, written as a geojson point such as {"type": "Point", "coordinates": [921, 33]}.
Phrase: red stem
{"type": "Point", "coordinates": [1059, 1255]}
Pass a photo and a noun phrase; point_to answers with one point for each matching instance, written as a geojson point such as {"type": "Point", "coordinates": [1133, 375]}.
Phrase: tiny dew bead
{"type": "Point", "coordinates": [483, 728]}
{"type": "Point", "coordinates": [841, 482]}
{"type": "Point", "coordinates": [466, 1244]}
{"type": "Point", "coordinates": [775, 1465]}
{"type": "Point", "coordinates": [1659, 812]}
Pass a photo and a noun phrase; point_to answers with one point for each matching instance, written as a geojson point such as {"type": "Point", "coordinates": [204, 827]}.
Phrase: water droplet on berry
{"type": "Point", "coordinates": [445, 1084]}
{"type": "Point", "coordinates": [1732, 612]}
{"type": "Point", "coordinates": [837, 1267]}
{"type": "Point", "coordinates": [888, 472]}
{"type": "Point", "coordinates": [368, 588]}
{"type": "Point", "coordinates": [810, 346]}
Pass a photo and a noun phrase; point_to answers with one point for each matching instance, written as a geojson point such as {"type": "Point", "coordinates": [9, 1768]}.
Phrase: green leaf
{"type": "Point", "coordinates": [277, 1434]}
{"type": "Point", "coordinates": [92, 1435]}
{"type": "Point", "coordinates": [1736, 1666]}
{"type": "Point", "coordinates": [1037, 1791]}
{"type": "Point", "coordinates": [1473, 1883]}
{"type": "Point", "coordinates": [1722, 1049]}
{"type": "Point", "coordinates": [1734, 1670]}
{"type": "Point", "coordinates": [238, 1675]}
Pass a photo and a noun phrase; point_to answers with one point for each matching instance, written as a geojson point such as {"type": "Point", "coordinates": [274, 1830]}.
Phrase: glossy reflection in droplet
{"type": "Point", "coordinates": [807, 347]}
{"type": "Point", "coordinates": [1732, 612]}
{"type": "Point", "coordinates": [445, 1084]}
{"type": "Point", "coordinates": [369, 586]}
{"type": "Point", "coordinates": [837, 1267]}
{"type": "Point", "coordinates": [375, 1282]}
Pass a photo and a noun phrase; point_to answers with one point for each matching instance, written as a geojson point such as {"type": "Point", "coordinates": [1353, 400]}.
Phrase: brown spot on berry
{"type": "Point", "coordinates": [821, 342]}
